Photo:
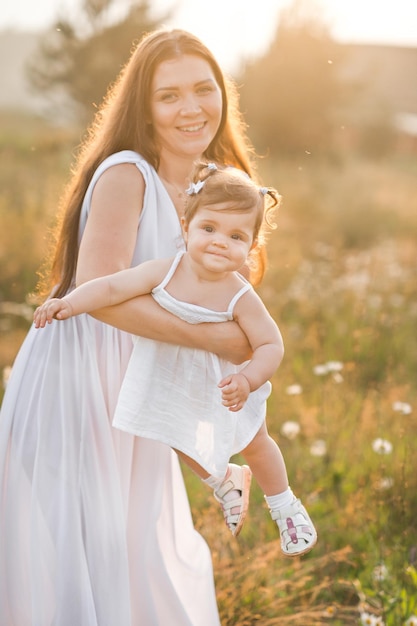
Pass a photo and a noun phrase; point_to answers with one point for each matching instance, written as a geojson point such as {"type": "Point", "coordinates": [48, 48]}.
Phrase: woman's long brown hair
{"type": "Point", "coordinates": [121, 124]}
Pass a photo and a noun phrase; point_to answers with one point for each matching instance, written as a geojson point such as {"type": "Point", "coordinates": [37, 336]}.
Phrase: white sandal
{"type": "Point", "coordinates": [298, 535]}
{"type": "Point", "coordinates": [234, 511]}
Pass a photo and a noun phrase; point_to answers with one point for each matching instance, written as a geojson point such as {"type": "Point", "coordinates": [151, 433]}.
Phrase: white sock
{"type": "Point", "coordinates": [280, 500]}
{"type": "Point", "coordinates": [215, 483]}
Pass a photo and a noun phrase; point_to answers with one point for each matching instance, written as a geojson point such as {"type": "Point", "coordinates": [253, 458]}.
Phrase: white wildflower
{"type": "Point", "coordinates": [402, 407]}
{"type": "Point", "coordinates": [294, 390]}
{"type": "Point", "coordinates": [381, 446]}
{"type": "Point", "coordinates": [325, 368]}
{"type": "Point", "coordinates": [367, 619]}
{"type": "Point", "coordinates": [384, 483]}
{"type": "Point", "coordinates": [412, 621]}
{"type": "Point", "coordinates": [380, 572]}
{"type": "Point", "coordinates": [290, 429]}
{"type": "Point", "coordinates": [334, 366]}
{"type": "Point", "coordinates": [318, 448]}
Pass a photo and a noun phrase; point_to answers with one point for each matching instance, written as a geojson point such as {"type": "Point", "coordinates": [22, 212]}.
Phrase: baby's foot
{"type": "Point", "coordinates": [297, 531]}
{"type": "Point", "coordinates": [233, 495]}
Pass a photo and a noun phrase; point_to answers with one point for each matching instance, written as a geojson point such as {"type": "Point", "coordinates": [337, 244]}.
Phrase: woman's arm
{"type": "Point", "coordinates": [109, 237]}
{"type": "Point", "coordinates": [143, 316]}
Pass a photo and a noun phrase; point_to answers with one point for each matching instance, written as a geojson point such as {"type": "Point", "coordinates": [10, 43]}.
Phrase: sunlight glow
{"type": "Point", "coordinates": [237, 31]}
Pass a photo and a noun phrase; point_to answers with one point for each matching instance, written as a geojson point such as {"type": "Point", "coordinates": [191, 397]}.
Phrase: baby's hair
{"type": "Point", "coordinates": [212, 185]}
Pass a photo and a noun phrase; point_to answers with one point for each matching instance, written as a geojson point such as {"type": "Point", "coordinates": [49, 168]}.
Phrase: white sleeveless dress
{"type": "Point", "coordinates": [170, 392]}
{"type": "Point", "coordinates": [95, 525]}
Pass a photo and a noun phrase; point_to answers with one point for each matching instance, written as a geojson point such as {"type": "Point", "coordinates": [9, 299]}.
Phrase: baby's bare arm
{"type": "Point", "coordinates": [264, 337]}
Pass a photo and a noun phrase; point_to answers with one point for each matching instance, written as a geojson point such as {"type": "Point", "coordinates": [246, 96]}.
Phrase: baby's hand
{"type": "Point", "coordinates": [53, 308]}
{"type": "Point", "coordinates": [235, 391]}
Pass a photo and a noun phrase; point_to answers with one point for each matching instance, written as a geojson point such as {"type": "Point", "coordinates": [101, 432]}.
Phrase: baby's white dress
{"type": "Point", "coordinates": [170, 392]}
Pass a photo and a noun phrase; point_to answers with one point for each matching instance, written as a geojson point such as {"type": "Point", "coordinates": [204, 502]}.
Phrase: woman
{"type": "Point", "coordinates": [95, 524]}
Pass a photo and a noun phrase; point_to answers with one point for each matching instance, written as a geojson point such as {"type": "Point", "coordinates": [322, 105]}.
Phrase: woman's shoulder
{"type": "Point", "coordinates": [120, 161]}
{"type": "Point", "coordinates": [122, 168]}
{"type": "Point", "coordinates": [123, 156]}
{"type": "Point", "coordinates": [122, 179]}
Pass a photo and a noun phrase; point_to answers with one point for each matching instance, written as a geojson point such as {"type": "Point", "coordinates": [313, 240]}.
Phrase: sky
{"type": "Point", "coordinates": [236, 30]}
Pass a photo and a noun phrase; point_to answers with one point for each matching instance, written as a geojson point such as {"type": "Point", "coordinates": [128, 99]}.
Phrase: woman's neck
{"type": "Point", "coordinates": [175, 178]}
{"type": "Point", "coordinates": [175, 170]}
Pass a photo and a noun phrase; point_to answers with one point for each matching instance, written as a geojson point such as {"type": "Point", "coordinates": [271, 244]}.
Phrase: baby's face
{"type": "Point", "coordinates": [220, 238]}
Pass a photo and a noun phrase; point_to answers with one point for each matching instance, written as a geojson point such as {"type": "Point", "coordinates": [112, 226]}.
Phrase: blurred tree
{"type": "Point", "coordinates": [77, 59]}
{"type": "Point", "coordinates": [292, 94]}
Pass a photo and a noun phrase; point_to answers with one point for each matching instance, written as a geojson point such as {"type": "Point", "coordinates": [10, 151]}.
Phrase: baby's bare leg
{"type": "Point", "coordinates": [267, 463]}
{"type": "Point", "coordinates": [197, 469]}
{"type": "Point", "coordinates": [296, 529]}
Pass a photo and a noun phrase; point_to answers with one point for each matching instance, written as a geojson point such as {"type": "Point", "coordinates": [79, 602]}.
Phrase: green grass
{"type": "Point", "coordinates": [342, 286]}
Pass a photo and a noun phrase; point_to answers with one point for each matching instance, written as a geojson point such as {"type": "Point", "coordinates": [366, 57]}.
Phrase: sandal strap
{"type": "Point", "coordinates": [239, 480]}
{"type": "Point", "coordinates": [226, 487]}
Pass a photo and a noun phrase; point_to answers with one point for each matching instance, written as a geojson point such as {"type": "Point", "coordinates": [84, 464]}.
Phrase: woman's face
{"type": "Point", "coordinates": [186, 106]}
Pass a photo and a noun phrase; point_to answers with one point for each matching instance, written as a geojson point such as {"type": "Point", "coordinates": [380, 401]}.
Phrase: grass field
{"type": "Point", "coordinates": [342, 286]}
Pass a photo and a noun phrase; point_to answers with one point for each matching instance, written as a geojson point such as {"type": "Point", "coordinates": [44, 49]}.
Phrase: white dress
{"type": "Point", "coordinates": [170, 392]}
{"type": "Point", "coordinates": [95, 525]}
